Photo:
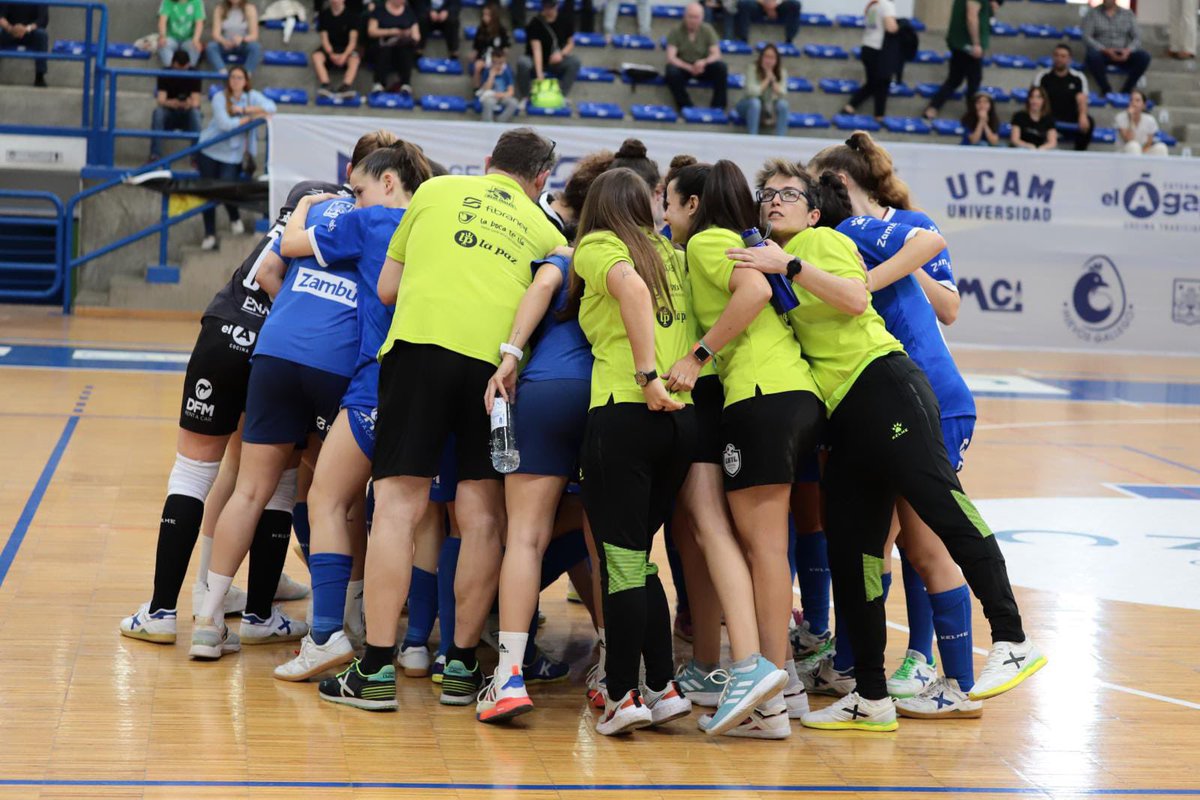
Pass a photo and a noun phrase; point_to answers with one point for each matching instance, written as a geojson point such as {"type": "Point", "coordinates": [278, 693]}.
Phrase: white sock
{"type": "Point", "coordinates": [793, 678]}
{"type": "Point", "coordinates": [354, 605]}
{"type": "Point", "coordinates": [214, 599]}
{"type": "Point", "coordinates": [512, 651]}
{"type": "Point", "coordinates": [205, 558]}
{"type": "Point", "coordinates": [603, 651]}
{"type": "Point", "coordinates": [774, 705]}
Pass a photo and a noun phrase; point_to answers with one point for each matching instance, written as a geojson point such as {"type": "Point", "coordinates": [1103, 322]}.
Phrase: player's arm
{"type": "Point", "coordinates": [945, 301]}
{"type": "Point", "coordinates": [388, 287]}
{"type": "Point", "coordinates": [269, 276]}
{"type": "Point", "coordinates": [919, 249]}
{"type": "Point", "coordinates": [637, 315]}
{"type": "Point", "coordinates": [295, 241]}
{"type": "Point", "coordinates": [532, 308]}
{"type": "Point", "coordinates": [848, 295]}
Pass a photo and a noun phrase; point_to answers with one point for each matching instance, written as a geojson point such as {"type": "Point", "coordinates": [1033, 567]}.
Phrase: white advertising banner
{"type": "Point", "coordinates": [1089, 251]}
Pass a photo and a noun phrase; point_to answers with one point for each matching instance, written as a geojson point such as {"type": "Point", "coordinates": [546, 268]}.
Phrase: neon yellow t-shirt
{"type": "Point", "coordinates": [466, 243]}
{"type": "Point", "coordinates": [600, 318]}
{"type": "Point", "coordinates": [764, 356]}
{"type": "Point", "coordinates": [836, 345]}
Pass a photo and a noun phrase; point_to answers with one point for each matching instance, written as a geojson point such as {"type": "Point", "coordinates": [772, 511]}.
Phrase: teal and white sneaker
{"type": "Point", "coordinates": [913, 676]}
{"type": "Point", "coordinates": [698, 685]}
{"type": "Point", "coordinates": [460, 686]}
{"type": "Point", "coordinates": [376, 692]}
{"type": "Point", "coordinates": [748, 683]}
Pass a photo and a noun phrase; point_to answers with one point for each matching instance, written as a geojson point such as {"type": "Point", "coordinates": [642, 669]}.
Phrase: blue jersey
{"type": "Point", "coordinates": [314, 319]}
{"type": "Point", "coordinates": [560, 350]}
{"type": "Point", "coordinates": [940, 268]}
{"type": "Point", "coordinates": [908, 315]}
{"type": "Point", "coordinates": [361, 237]}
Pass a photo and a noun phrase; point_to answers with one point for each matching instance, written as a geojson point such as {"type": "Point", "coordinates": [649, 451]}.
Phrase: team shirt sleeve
{"type": "Point", "coordinates": [399, 244]}
{"type": "Point", "coordinates": [596, 256]}
{"type": "Point", "coordinates": [710, 258]}
{"type": "Point", "coordinates": [940, 268]}
{"type": "Point", "coordinates": [338, 238]}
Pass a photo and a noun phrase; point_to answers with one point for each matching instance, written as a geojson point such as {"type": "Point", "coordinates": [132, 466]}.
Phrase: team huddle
{"type": "Point", "coordinates": [758, 371]}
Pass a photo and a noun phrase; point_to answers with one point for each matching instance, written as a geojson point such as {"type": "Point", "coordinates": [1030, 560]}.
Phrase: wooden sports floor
{"type": "Point", "coordinates": [1088, 467]}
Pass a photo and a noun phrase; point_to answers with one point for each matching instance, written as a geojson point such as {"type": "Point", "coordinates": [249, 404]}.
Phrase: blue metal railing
{"type": "Point", "coordinates": [59, 222]}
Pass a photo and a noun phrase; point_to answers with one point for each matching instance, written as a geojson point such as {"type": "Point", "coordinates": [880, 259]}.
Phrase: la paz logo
{"type": "Point", "coordinates": [1098, 310]}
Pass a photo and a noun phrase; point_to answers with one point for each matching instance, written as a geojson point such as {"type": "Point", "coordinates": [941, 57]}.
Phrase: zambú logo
{"type": "Point", "coordinates": [1099, 310]}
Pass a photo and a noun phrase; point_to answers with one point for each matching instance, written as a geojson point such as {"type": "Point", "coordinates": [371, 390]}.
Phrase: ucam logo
{"type": "Point", "coordinates": [1008, 196]}
{"type": "Point", "coordinates": [1000, 295]}
{"type": "Point", "coordinates": [1098, 310]}
{"type": "Point", "coordinates": [327, 286]}
{"type": "Point", "coordinates": [1144, 199]}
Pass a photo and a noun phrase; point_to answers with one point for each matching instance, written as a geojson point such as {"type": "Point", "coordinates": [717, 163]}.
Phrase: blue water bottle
{"type": "Point", "coordinates": [783, 296]}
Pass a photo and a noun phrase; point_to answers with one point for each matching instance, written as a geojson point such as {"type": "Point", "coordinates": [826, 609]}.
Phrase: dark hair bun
{"type": "Point", "coordinates": [681, 161]}
{"type": "Point", "coordinates": [632, 148]}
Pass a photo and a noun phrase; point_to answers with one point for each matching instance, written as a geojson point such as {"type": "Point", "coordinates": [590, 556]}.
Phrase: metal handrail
{"type": "Point", "coordinates": [60, 224]}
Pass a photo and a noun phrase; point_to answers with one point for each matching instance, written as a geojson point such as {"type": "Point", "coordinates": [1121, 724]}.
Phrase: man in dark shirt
{"type": "Point", "coordinates": [178, 102]}
{"type": "Point", "coordinates": [339, 48]}
{"type": "Point", "coordinates": [549, 42]}
{"type": "Point", "coordinates": [1067, 90]}
{"type": "Point", "coordinates": [967, 35]}
{"type": "Point", "coordinates": [23, 27]}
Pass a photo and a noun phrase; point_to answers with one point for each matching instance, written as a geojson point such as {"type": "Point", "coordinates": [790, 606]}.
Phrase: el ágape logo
{"type": "Point", "coordinates": [1009, 196]}
{"type": "Point", "coordinates": [1098, 310]}
{"type": "Point", "coordinates": [1153, 205]}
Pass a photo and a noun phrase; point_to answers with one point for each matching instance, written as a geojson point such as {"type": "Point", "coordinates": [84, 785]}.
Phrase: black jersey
{"type": "Point", "coordinates": [242, 301]}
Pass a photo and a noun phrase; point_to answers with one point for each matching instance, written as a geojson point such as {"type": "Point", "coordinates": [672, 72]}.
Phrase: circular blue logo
{"type": "Point", "coordinates": [1099, 294]}
{"type": "Point", "coordinates": [1141, 198]}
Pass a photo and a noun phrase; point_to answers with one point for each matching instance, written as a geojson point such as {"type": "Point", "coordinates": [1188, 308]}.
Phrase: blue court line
{"type": "Point", "coordinates": [1157, 457]}
{"type": "Point", "coordinates": [17, 537]}
{"type": "Point", "coordinates": [604, 787]}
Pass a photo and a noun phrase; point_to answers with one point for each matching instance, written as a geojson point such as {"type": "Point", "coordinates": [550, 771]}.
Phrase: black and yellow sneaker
{"type": "Point", "coordinates": [460, 686]}
{"type": "Point", "coordinates": [369, 692]}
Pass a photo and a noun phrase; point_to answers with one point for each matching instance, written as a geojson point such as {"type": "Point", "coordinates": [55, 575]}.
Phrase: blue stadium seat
{"type": "Point", "coordinates": [798, 120]}
{"type": "Point", "coordinates": [1066, 127]}
{"type": "Point", "coordinates": [473, 4]}
{"type": "Point", "coordinates": [351, 102]}
{"type": "Point", "coordinates": [1097, 100]}
{"type": "Point", "coordinates": [1046, 62]}
{"type": "Point", "coordinates": [1049, 2]}
{"type": "Point", "coordinates": [285, 58]}
{"type": "Point", "coordinates": [534, 111]}
{"type": "Point", "coordinates": [736, 80]}
{"type": "Point", "coordinates": [1030, 31]}
{"type": "Point", "coordinates": [653, 113]}
{"type": "Point", "coordinates": [998, 95]}
{"type": "Point", "coordinates": [839, 85]}
{"type": "Point", "coordinates": [901, 90]}
{"type": "Point", "coordinates": [1166, 138]}
{"type": "Point", "coordinates": [798, 84]}
{"type": "Point", "coordinates": [696, 115]}
{"type": "Point", "coordinates": [1008, 61]}
{"type": "Point", "coordinates": [519, 36]}
{"type": "Point", "coordinates": [917, 25]}
{"type": "Point", "coordinates": [439, 66]}
{"type": "Point", "coordinates": [590, 40]}
{"type": "Point", "coordinates": [1120, 100]}
{"type": "Point", "coordinates": [928, 90]}
{"type": "Point", "coordinates": [1105, 135]}
{"type": "Point", "coordinates": [851, 21]}
{"type": "Point", "coordinates": [914, 125]}
{"type": "Point", "coordinates": [68, 47]}
{"type": "Point", "coordinates": [1005, 131]}
{"type": "Point", "coordinates": [444, 102]}
{"type": "Point", "coordinates": [601, 111]}
{"type": "Point", "coordinates": [631, 41]}
{"type": "Point", "coordinates": [1020, 95]}
{"type": "Point", "coordinates": [287, 97]}
{"type": "Point", "coordinates": [736, 47]}
{"type": "Point", "coordinates": [786, 49]}
{"type": "Point", "coordinates": [815, 21]}
{"type": "Point", "coordinates": [277, 25]}
{"type": "Point", "coordinates": [122, 50]}
{"type": "Point", "coordinates": [1003, 29]}
{"type": "Point", "coordinates": [1073, 32]}
{"type": "Point", "coordinates": [825, 51]}
{"type": "Point", "coordinates": [628, 10]}
{"type": "Point", "coordinates": [931, 57]}
{"type": "Point", "coordinates": [667, 11]}
{"type": "Point", "coordinates": [397, 100]}
{"type": "Point", "coordinates": [469, 32]}
{"type": "Point", "coordinates": [948, 127]}
{"type": "Point", "coordinates": [657, 80]}
{"type": "Point", "coordinates": [595, 75]}
{"type": "Point", "coordinates": [855, 122]}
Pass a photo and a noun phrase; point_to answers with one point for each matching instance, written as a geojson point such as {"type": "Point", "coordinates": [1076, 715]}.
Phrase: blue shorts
{"type": "Point", "coordinates": [286, 401]}
{"type": "Point", "coordinates": [445, 484]}
{"type": "Point", "coordinates": [362, 425]}
{"type": "Point", "coordinates": [957, 433]}
{"type": "Point", "coordinates": [550, 418]}
{"type": "Point", "coordinates": [363, 391]}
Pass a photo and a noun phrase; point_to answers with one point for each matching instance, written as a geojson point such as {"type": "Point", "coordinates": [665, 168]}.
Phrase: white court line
{"type": "Point", "coordinates": [130, 355]}
{"type": "Point", "coordinates": [996, 426]}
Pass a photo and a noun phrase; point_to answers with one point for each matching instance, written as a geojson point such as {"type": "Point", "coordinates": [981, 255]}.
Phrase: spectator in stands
{"type": "Point", "coordinates": [490, 36]}
{"type": "Point", "coordinates": [1111, 35]}
{"type": "Point", "coordinates": [968, 36]}
{"type": "Point", "coordinates": [1067, 92]}
{"type": "Point", "coordinates": [1181, 30]}
{"type": "Point", "coordinates": [235, 33]}
{"type": "Point", "coordinates": [338, 50]}
{"type": "Point", "coordinates": [395, 35]}
{"type": "Point", "coordinates": [761, 11]}
{"type": "Point", "coordinates": [24, 26]}
{"type": "Point", "coordinates": [236, 104]}
{"type": "Point", "coordinates": [441, 15]}
{"type": "Point", "coordinates": [613, 7]}
{"type": "Point", "coordinates": [178, 103]}
{"type": "Point", "coordinates": [1033, 128]}
{"type": "Point", "coordinates": [880, 56]}
{"type": "Point", "coordinates": [549, 42]}
{"type": "Point", "coordinates": [981, 126]}
{"type": "Point", "coordinates": [693, 51]}
{"type": "Point", "coordinates": [1137, 130]}
{"type": "Point", "coordinates": [587, 10]}
{"type": "Point", "coordinates": [765, 100]}
{"type": "Point", "coordinates": [497, 93]}
{"type": "Point", "coordinates": [180, 27]}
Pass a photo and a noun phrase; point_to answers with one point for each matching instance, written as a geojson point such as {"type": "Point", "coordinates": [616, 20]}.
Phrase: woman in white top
{"type": "Point", "coordinates": [1136, 129]}
{"type": "Point", "coordinates": [235, 33]}
{"type": "Point", "coordinates": [880, 56]}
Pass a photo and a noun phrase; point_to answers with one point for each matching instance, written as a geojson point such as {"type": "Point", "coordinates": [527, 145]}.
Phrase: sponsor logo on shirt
{"type": "Point", "coordinates": [465, 238]}
{"type": "Point", "coordinates": [472, 202]}
{"type": "Point", "coordinates": [465, 217]}
{"type": "Point", "coordinates": [1185, 308]}
{"type": "Point", "coordinates": [335, 210]}
{"type": "Point", "coordinates": [241, 339]}
{"type": "Point", "coordinates": [731, 460]}
{"type": "Point", "coordinates": [1001, 295]}
{"type": "Point", "coordinates": [1009, 196]}
{"type": "Point", "coordinates": [195, 407]}
{"type": "Point", "coordinates": [252, 306]}
{"type": "Point", "coordinates": [327, 286]}
{"type": "Point", "coordinates": [500, 195]}
{"type": "Point", "coordinates": [1098, 310]}
{"type": "Point", "coordinates": [1161, 206]}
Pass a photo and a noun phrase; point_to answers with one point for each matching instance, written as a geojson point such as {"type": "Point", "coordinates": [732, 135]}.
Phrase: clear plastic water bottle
{"type": "Point", "coordinates": [783, 296]}
{"type": "Point", "coordinates": [505, 456]}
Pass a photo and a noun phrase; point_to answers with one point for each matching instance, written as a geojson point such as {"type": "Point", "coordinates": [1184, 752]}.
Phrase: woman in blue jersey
{"type": "Point", "coordinates": [882, 226]}
{"type": "Point", "coordinates": [383, 185]}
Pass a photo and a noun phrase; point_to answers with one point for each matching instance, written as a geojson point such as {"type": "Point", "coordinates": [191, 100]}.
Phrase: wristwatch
{"type": "Point", "coordinates": [701, 353]}
{"type": "Point", "coordinates": [643, 378]}
{"type": "Point", "coordinates": [793, 268]}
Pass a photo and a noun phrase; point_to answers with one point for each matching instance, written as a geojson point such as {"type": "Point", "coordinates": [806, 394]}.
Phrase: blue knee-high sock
{"type": "Point", "coordinates": [952, 621]}
{"type": "Point", "coordinates": [886, 578]}
{"type": "Point", "coordinates": [422, 607]}
{"type": "Point", "coordinates": [447, 567]}
{"type": "Point", "coordinates": [300, 525]}
{"type": "Point", "coordinates": [812, 569]}
{"type": "Point", "coordinates": [561, 554]}
{"type": "Point", "coordinates": [792, 545]}
{"type": "Point", "coordinates": [843, 655]}
{"type": "Point", "coordinates": [676, 563]}
{"type": "Point", "coordinates": [330, 576]}
{"type": "Point", "coordinates": [920, 612]}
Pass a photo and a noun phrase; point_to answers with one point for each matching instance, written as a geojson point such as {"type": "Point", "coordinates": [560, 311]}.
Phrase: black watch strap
{"type": "Point", "coordinates": [793, 268]}
{"type": "Point", "coordinates": [644, 379]}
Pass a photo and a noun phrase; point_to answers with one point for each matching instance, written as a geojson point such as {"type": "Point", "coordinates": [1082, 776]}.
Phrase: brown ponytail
{"type": "Point", "coordinates": [868, 165]}
{"type": "Point", "coordinates": [404, 158]}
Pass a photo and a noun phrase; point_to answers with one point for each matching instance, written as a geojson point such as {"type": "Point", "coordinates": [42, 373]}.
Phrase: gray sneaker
{"type": "Point", "coordinates": [210, 642]}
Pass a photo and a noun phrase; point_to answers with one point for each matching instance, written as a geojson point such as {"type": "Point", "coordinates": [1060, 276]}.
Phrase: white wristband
{"type": "Point", "coordinates": [511, 350]}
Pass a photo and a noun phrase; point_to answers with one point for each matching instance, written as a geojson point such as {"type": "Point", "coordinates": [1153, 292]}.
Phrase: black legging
{"type": "Point", "coordinates": [880, 65]}
{"type": "Point", "coordinates": [963, 66]}
{"type": "Point", "coordinates": [218, 170]}
{"type": "Point", "coordinates": [886, 442]}
{"type": "Point", "coordinates": [397, 58]}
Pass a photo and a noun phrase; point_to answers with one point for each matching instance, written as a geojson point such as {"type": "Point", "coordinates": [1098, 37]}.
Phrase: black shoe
{"type": "Point", "coordinates": [346, 91]}
{"type": "Point", "coordinates": [370, 692]}
{"type": "Point", "coordinates": [324, 91]}
{"type": "Point", "coordinates": [39, 81]}
{"type": "Point", "coordinates": [460, 685]}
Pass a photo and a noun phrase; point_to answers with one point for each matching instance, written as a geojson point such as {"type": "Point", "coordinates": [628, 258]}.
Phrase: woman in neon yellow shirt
{"type": "Point", "coordinates": [634, 309]}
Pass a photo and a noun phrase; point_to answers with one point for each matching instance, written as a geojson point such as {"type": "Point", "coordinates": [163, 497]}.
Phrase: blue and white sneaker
{"type": "Point", "coordinates": [544, 669]}
{"type": "Point", "coordinates": [698, 685]}
{"type": "Point", "coordinates": [279, 628]}
{"type": "Point", "coordinates": [158, 626]}
{"type": "Point", "coordinates": [503, 697]}
{"type": "Point", "coordinates": [748, 683]}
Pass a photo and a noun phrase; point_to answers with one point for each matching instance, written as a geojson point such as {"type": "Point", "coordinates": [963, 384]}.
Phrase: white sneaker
{"type": "Point", "coordinates": [626, 714]}
{"type": "Point", "coordinates": [157, 627]}
{"type": "Point", "coordinates": [503, 697]}
{"type": "Point", "coordinates": [854, 713]}
{"type": "Point", "coordinates": [794, 696]}
{"type": "Point", "coordinates": [597, 692]}
{"type": "Point", "coordinates": [208, 243]}
{"type": "Point", "coordinates": [667, 705]}
{"type": "Point", "coordinates": [824, 679]}
{"type": "Point", "coordinates": [1008, 665]}
{"type": "Point", "coordinates": [805, 643]}
{"type": "Point", "coordinates": [235, 599]}
{"type": "Point", "coordinates": [313, 658]}
{"type": "Point", "coordinates": [941, 699]}
{"type": "Point", "coordinates": [290, 589]}
{"type": "Point", "coordinates": [914, 676]}
{"type": "Point", "coordinates": [414, 660]}
{"type": "Point", "coordinates": [237, 227]}
{"type": "Point", "coordinates": [756, 726]}
{"type": "Point", "coordinates": [279, 628]}
{"type": "Point", "coordinates": [212, 639]}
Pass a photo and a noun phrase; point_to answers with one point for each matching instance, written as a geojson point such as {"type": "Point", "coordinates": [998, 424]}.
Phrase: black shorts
{"type": "Point", "coordinates": [709, 397]}
{"type": "Point", "coordinates": [214, 388]}
{"type": "Point", "coordinates": [427, 393]}
{"type": "Point", "coordinates": [767, 437]}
